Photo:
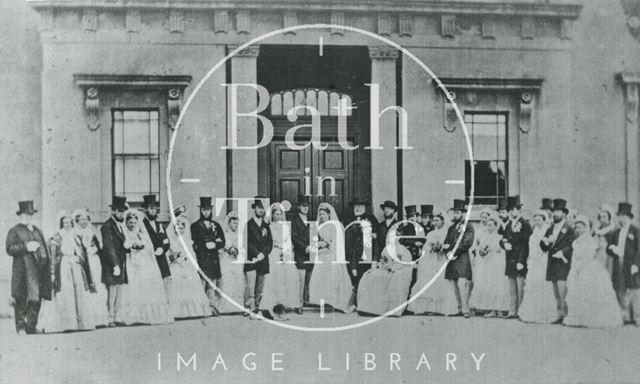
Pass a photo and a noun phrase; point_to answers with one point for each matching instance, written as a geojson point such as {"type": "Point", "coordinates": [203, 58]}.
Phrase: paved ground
{"type": "Point", "coordinates": [514, 352]}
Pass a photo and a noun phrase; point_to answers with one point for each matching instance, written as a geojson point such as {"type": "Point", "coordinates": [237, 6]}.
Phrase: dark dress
{"type": "Point", "coordinates": [355, 246]}
{"type": "Point", "coordinates": [159, 240]}
{"type": "Point", "coordinates": [460, 266]}
{"type": "Point", "coordinates": [557, 269]}
{"type": "Point", "coordinates": [113, 253]}
{"type": "Point", "coordinates": [518, 237]}
{"type": "Point", "coordinates": [300, 240]}
{"type": "Point", "coordinates": [259, 240]}
{"type": "Point", "coordinates": [208, 259]}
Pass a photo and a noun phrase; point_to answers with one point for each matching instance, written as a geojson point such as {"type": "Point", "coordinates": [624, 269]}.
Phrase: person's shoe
{"type": "Point", "coordinates": [557, 320]}
{"type": "Point", "coordinates": [245, 314]}
{"type": "Point", "coordinates": [298, 311]}
{"type": "Point", "coordinates": [111, 325]}
{"type": "Point", "coordinates": [22, 332]}
{"type": "Point", "coordinates": [214, 312]}
{"type": "Point", "coordinates": [490, 315]}
{"type": "Point", "coordinates": [467, 315]}
{"type": "Point", "coordinates": [459, 314]}
{"type": "Point", "coordinates": [511, 316]}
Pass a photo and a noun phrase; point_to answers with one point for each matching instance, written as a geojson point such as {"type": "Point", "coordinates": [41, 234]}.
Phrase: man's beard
{"type": "Point", "coordinates": [152, 216]}
{"type": "Point", "coordinates": [259, 215]}
{"type": "Point", "coordinates": [119, 219]}
{"type": "Point", "coordinates": [203, 217]}
{"type": "Point", "coordinates": [388, 216]}
{"type": "Point", "coordinates": [557, 219]}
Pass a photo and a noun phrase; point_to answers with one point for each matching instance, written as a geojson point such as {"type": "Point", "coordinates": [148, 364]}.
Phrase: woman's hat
{"type": "Point", "coordinates": [205, 202]}
{"type": "Point", "coordinates": [458, 205]}
{"type": "Point", "coordinates": [411, 210]}
{"type": "Point", "coordinates": [624, 208]}
{"type": "Point", "coordinates": [26, 207]}
{"type": "Point", "coordinates": [560, 204]}
{"type": "Point", "coordinates": [179, 211]}
{"type": "Point", "coordinates": [426, 210]}
{"type": "Point", "coordinates": [149, 200]}
{"type": "Point", "coordinates": [547, 204]}
{"type": "Point", "coordinates": [389, 204]}
{"type": "Point", "coordinates": [543, 213]}
{"type": "Point", "coordinates": [513, 202]}
{"type": "Point", "coordinates": [119, 203]}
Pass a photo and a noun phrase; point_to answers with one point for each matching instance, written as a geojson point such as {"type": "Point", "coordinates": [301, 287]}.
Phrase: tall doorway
{"type": "Point", "coordinates": [299, 75]}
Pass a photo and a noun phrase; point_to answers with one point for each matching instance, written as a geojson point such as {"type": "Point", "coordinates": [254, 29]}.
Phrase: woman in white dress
{"type": "Point", "coordinates": [232, 282]}
{"type": "Point", "coordinates": [84, 229]}
{"type": "Point", "coordinates": [143, 299]}
{"type": "Point", "coordinates": [439, 298]}
{"type": "Point", "coordinates": [281, 287]}
{"type": "Point", "coordinates": [330, 283]}
{"type": "Point", "coordinates": [591, 300]}
{"type": "Point", "coordinates": [538, 304]}
{"type": "Point", "coordinates": [70, 308]}
{"type": "Point", "coordinates": [186, 296]}
{"type": "Point", "coordinates": [490, 288]}
{"type": "Point", "coordinates": [385, 286]}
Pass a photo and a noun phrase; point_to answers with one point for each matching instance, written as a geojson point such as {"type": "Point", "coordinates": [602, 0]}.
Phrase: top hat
{"type": "Point", "coordinates": [389, 204]}
{"type": "Point", "coordinates": [205, 202]}
{"type": "Point", "coordinates": [119, 203]}
{"type": "Point", "coordinates": [411, 210]}
{"type": "Point", "coordinates": [560, 204]}
{"type": "Point", "coordinates": [502, 204]}
{"type": "Point", "coordinates": [426, 210]}
{"type": "Point", "coordinates": [624, 209]}
{"type": "Point", "coordinates": [149, 200]}
{"type": "Point", "coordinates": [302, 200]}
{"type": "Point", "coordinates": [26, 207]}
{"type": "Point", "coordinates": [513, 202]}
{"type": "Point", "coordinates": [179, 211]}
{"type": "Point", "coordinates": [359, 201]}
{"type": "Point", "coordinates": [258, 202]}
{"type": "Point", "coordinates": [547, 204]}
{"type": "Point", "coordinates": [458, 205]}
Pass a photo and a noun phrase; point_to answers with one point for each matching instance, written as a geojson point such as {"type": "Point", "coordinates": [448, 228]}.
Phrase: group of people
{"type": "Point", "coordinates": [137, 271]}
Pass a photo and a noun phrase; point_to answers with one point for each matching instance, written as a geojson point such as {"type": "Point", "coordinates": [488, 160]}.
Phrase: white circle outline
{"type": "Point", "coordinates": [292, 29]}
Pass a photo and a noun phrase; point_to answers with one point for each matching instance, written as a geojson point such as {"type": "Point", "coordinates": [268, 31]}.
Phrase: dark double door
{"type": "Point", "coordinates": [323, 175]}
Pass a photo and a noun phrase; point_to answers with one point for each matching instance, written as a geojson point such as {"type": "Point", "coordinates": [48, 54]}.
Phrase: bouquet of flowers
{"type": "Point", "coordinates": [436, 247]}
{"type": "Point", "coordinates": [484, 250]}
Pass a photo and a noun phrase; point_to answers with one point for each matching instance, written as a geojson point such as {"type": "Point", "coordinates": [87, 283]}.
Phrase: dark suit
{"type": "Point", "coordinates": [557, 269]}
{"type": "Point", "coordinates": [383, 231]}
{"type": "Point", "coordinates": [622, 277]}
{"type": "Point", "coordinates": [460, 265]}
{"type": "Point", "coordinates": [208, 259]}
{"type": "Point", "coordinates": [354, 246]}
{"type": "Point", "coordinates": [259, 240]}
{"type": "Point", "coordinates": [113, 253]}
{"type": "Point", "coordinates": [300, 239]}
{"type": "Point", "coordinates": [519, 241]}
{"type": "Point", "coordinates": [30, 277]}
{"type": "Point", "coordinates": [160, 240]}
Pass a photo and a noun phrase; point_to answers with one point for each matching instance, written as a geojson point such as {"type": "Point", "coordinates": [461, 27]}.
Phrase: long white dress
{"type": "Point", "coordinates": [538, 304]}
{"type": "Point", "coordinates": [439, 297]}
{"type": "Point", "coordinates": [143, 299]}
{"type": "Point", "coordinates": [186, 295]}
{"type": "Point", "coordinates": [281, 285]}
{"type": "Point", "coordinates": [591, 300]}
{"type": "Point", "coordinates": [99, 298]}
{"type": "Point", "coordinates": [232, 282]}
{"type": "Point", "coordinates": [330, 283]}
{"type": "Point", "coordinates": [490, 285]}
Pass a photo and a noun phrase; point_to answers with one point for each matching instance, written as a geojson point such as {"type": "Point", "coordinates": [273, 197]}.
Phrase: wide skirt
{"type": "Point", "coordinates": [143, 300]}
{"type": "Point", "coordinates": [99, 299]}
{"type": "Point", "coordinates": [186, 295]}
{"type": "Point", "coordinates": [330, 283]}
{"type": "Point", "coordinates": [71, 308]}
{"type": "Point", "coordinates": [490, 287]}
{"type": "Point", "coordinates": [538, 304]}
{"type": "Point", "coordinates": [381, 291]}
{"type": "Point", "coordinates": [591, 300]}
{"type": "Point", "coordinates": [281, 285]}
{"type": "Point", "coordinates": [232, 283]}
{"type": "Point", "coordinates": [440, 297]}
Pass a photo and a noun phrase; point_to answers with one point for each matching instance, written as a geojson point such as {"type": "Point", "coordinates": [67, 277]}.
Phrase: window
{"type": "Point", "coordinates": [136, 160]}
{"type": "Point", "coordinates": [488, 133]}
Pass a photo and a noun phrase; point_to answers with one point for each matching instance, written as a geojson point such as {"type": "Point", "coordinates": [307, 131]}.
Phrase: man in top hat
{"type": "Point", "coordinates": [426, 214]}
{"type": "Point", "coordinates": [389, 220]}
{"type": "Point", "coordinates": [558, 243]}
{"type": "Point", "coordinates": [625, 251]}
{"type": "Point", "coordinates": [515, 241]}
{"type": "Point", "coordinates": [547, 205]}
{"type": "Point", "coordinates": [360, 241]}
{"type": "Point", "coordinates": [503, 214]}
{"type": "Point", "coordinates": [259, 246]}
{"type": "Point", "coordinates": [114, 254]}
{"type": "Point", "coordinates": [30, 277]}
{"type": "Point", "coordinates": [459, 268]}
{"type": "Point", "coordinates": [208, 239]}
{"type": "Point", "coordinates": [301, 246]}
{"type": "Point", "coordinates": [158, 236]}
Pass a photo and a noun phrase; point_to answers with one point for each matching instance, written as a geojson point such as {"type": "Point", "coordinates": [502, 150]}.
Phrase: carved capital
{"type": "Point", "coordinates": [566, 29]}
{"type": "Point", "coordinates": [488, 27]}
{"type": "Point", "coordinates": [174, 103]}
{"type": "Point", "coordinates": [448, 25]}
{"type": "Point", "coordinates": [450, 117]}
{"type": "Point", "coordinates": [528, 27]}
{"type": "Point", "coordinates": [290, 19]}
{"type": "Point", "coordinates": [250, 51]}
{"type": "Point", "coordinates": [526, 111]}
{"type": "Point", "coordinates": [92, 107]}
{"type": "Point", "coordinates": [383, 53]}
